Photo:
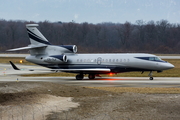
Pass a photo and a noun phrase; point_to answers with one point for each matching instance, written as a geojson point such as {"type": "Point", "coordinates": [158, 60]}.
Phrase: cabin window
{"type": "Point", "coordinates": [109, 60]}
{"type": "Point", "coordinates": [116, 60]}
{"type": "Point", "coordinates": [77, 60]}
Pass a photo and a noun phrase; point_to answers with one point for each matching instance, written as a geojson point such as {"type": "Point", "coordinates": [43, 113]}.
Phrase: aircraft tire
{"type": "Point", "coordinates": [151, 78]}
{"type": "Point", "coordinates": [79, 77]}
{"type": "Point", "coordinates": [91, 76]}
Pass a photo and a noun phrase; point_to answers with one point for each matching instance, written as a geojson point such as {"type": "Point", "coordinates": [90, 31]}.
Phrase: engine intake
{"type": "Point", "coordinates": [56, 59]}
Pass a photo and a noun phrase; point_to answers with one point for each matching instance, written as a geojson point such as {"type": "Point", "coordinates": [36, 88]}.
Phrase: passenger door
{"type": "Point", "coordinates": [99, 60]}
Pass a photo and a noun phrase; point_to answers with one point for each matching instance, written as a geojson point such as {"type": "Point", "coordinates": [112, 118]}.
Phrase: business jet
{"type": "Point", "coordinates": [64, 58]}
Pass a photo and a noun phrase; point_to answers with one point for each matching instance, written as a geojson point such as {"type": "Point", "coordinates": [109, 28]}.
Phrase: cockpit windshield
{"type": "Point", "coordinates": [155, 59]}
{"type": "Point", "coordinates": [150, 58]}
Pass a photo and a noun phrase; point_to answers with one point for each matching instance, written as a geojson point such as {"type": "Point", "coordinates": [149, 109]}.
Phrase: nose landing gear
{"type": "Point", "coordinates": [150, 75]}
{"type": "Point", "coordinates": [151, 78]}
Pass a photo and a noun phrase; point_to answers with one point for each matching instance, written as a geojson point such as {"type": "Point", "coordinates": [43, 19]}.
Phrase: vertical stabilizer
{"type": "Point", "coordinates": [35, 36]}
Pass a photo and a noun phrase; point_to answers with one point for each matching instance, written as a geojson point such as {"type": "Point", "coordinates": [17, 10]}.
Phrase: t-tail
{"type": "Point", "coordinates": [37, 40]}
{"type": "Point", "coordinates": [41, 48]}
{"type": "Point", "coordinates": [35, 36]}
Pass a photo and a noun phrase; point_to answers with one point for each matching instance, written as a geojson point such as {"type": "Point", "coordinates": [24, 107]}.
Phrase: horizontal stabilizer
{"type": "Point", "coordinates": [26, 48]}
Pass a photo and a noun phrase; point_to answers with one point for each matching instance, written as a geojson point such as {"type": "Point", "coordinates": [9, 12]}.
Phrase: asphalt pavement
{"type": "Point", "coordinates": [8, 74]}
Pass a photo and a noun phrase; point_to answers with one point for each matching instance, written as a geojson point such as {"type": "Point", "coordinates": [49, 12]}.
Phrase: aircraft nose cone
{"type": "Point", "coordinates": [169, 66]}
{"type": "Point", "coordinates": [172, 66]}
{"type": "Point", "coordinates": [166, 66]}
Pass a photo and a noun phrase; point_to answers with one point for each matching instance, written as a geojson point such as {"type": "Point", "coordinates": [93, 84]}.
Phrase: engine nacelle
{"type": "Point", "coordinates": [69, 48]}
{"type": "Point", "coordinates": [56, 59]}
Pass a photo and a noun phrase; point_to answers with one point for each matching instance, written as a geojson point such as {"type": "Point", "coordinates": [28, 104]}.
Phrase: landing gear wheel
{"type": "Point", "coordinates": [151, 78]}
{"type": "Point", "coordinates": [150, 75]}
{"type": "Point", "coordinates": [91, 76]}
{"type": "Point", "coordinates": [79, 77]}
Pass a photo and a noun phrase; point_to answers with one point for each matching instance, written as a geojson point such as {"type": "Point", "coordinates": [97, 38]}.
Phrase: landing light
{"type": "Point", "coordinates": [110, 74]}
{"type": "Point", "coordinates": [21, 61]}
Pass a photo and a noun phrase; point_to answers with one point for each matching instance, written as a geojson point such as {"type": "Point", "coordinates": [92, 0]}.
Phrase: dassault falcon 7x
{"type": "Point", "coordinates": [65, 59]}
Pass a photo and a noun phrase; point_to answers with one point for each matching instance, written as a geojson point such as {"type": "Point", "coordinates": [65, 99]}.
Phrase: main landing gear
{"type": "Point", "coordinates": [91, 76]}
{"type": "Point", "coordinates": [81, 76]}
{"type": "Point", "coordinates": [150, 75]}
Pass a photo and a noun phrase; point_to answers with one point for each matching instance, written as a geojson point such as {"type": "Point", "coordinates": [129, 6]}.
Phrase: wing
{"type": "Point", "coordinates": [65, 70]}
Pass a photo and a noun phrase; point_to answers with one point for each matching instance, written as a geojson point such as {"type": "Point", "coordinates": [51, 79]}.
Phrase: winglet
{"type": "Point", "coordinates": [14, 66]}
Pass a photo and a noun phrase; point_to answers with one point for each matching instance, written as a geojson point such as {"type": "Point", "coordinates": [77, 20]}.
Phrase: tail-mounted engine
{"type": "Point", "coordinates": [69, 48]}
{"type": "Point", "coordinates": [56, 59]}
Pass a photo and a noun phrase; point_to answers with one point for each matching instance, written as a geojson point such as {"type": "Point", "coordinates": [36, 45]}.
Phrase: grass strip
{"type": "Point", "coordinates": [139, 90]}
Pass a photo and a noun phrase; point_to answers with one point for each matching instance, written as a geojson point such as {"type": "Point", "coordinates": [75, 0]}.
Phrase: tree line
{"type": "Point", "coordinates": [147, 37]}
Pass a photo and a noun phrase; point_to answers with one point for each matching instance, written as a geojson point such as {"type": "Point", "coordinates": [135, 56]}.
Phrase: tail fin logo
{"type": "Point", "coordinates": [37, 38]}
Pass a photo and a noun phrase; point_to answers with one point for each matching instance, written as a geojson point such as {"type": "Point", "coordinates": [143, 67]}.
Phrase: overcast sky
{"type": "Point", "coordinates": [91, 11]}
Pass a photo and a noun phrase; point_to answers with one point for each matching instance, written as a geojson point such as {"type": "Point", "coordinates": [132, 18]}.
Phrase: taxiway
{"type": "Point", "coordinates": [101, 82]}
{"type": "Point", "coordinates": [8, 74]}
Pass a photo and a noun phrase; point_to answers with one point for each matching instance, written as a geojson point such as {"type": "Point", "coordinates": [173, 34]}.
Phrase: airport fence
{"type": "Point", "coordinates": [40, 111]}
